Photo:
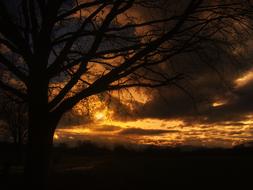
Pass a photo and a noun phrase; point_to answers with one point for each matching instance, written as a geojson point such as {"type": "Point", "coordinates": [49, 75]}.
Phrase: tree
{"type": "Point", "coordinates": [56, 53]}
{"type": "Point", "coordinates": [15, 115]}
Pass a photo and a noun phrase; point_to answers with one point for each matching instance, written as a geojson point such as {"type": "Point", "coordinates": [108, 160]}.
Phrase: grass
{"type": "Point", "coordinates": [93, 168]}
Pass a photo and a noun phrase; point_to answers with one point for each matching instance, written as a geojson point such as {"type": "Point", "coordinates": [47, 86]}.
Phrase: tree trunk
{"type": "Point", "coordinates": [41, 127]}
{"type": "Point", "coordinates": [39, 147]}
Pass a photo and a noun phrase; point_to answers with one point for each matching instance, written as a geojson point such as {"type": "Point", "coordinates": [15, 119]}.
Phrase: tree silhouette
{"type": "Point", "coordinates": [15, 115]}
{"type": "Point", "coordinates": [56, 53]}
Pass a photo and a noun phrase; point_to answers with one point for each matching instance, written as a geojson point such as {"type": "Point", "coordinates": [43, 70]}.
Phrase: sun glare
{"type": "Point", "coordinates": [99, 116]}
{"type": "Point", "coordinates": [56, 136]}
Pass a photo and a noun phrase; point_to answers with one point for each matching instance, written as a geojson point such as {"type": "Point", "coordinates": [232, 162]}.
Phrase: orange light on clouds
{"type": "Point", "coordinates": [218, 103]}
{"type": "Point", "coordinates": [244, 79]}
{"type": "Point", "coordinates": [109, 131]}
{"type": "Point", "coordinates": [100, 116]}
{"type": "Point", "coordinates": [56, 136]}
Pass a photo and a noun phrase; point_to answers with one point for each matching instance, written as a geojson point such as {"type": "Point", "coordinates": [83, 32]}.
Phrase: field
{"type": "Point", "coordinates": [88, 167]}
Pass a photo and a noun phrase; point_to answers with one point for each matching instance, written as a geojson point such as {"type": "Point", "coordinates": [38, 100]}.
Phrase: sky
{"type": "Point", "coordinates": [211, 107]}
{"type": "Point", "coordinates": [217, 112]}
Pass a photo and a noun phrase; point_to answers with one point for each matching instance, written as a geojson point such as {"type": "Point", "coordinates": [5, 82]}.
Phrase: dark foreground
{"type": "Point", "coordinates": [87, 167]}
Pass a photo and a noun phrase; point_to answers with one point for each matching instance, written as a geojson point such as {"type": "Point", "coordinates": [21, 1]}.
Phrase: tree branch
{"type": "Point", "coordinates": [13, 91]}
{"type": "Point", "coordinates": [12, 68]}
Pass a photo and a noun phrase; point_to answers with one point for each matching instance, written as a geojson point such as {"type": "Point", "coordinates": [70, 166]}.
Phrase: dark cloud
{"type": "Point", "coordinates": [238, 107]}
{"type": "Point", "coordinates": [145, 132]}
{"type": "Point", "coordinates": [210, 80]}
{"type": "Point", "coordinates": [106, 128]}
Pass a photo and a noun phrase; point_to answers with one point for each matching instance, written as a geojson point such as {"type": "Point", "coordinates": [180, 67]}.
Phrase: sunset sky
{"type": "Point", "coordinates": [215, 115]}
{"type": "Point", "coordinates": [211, 107]}
{"type": "Point", "coordinates": [126, 94]}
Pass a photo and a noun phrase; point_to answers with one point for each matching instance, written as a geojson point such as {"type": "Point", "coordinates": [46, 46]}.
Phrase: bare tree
{"type": "Point", "coordinates": [56, 53]}
{"type": "Point", "coordinates": [14, 114]}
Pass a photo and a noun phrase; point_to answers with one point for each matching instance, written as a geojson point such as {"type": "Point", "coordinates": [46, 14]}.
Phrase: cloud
{"type": "Point", "coordinates": [239, 105]}
{"type": "Point", "coordinates": [204, 87]}
{"type": "Point", "coordinates": [145, 132]}
{"type": "Point", "coordinates": [106, 128]}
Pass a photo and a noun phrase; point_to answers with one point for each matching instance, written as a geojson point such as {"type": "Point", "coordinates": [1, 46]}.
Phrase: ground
{"type": "Point", "coordinates": [122, 169]}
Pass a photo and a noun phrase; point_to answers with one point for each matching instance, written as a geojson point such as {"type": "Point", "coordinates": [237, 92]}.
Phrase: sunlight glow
{"type": "Point", "coordinates": [245, 79]}
{"type": "Point", "coordinates": [56, 136]}
{"type": "Point", "coordinates": [218, 103]}
{"type": "Point", "coordinates": [110, 131]}
{"type": "Point", "coordinates": [100, 116]}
